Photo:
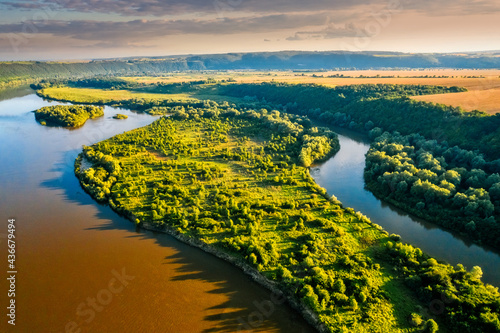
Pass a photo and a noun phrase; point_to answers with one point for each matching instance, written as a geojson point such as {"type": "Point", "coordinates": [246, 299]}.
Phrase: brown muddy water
{"type": "Point", "coordinates": [82, 268]}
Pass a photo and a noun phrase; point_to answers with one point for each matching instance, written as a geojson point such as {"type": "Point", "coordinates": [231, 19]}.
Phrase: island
{"type": "Point", "coordinates": [120, 116]}
{"type": "Point", "coordinates": [235, 182]}
{"type": "Point", "coordinates": [70, 116]}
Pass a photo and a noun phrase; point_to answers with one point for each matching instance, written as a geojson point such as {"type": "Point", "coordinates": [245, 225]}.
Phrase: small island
{"type": "Point", "coordinates": [67, 115]}
{"type": "Point", "coordinates": [120, 116]}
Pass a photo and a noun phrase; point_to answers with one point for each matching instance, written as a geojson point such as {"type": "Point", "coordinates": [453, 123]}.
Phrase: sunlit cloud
{"type": "Point", "coordinates": [127, 25]}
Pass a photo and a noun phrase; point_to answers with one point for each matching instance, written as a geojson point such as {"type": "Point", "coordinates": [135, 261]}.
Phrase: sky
{"type": "Point", "coordinates": [90, 29]}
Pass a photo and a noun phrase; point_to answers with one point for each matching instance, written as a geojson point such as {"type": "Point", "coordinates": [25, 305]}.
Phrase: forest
{"type": "Point", "coordinates": [236, 179]}
{"type": "Point", "coordinates": [370, 109]}
{"type": "Point", "coordinates": [387, 107]}
{"type": "Point", "coordinates": [453, 187]}
{"type": "Point", "coordinates": [67, 115]}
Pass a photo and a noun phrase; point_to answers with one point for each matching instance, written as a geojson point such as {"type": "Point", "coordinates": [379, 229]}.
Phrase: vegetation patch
{"type": "Point", "coordinates": [120, 116]}
{"type": "Point", "coordinates": [67, 115]}
{"type": "Point", "coordinates": [450, 186]}
{"type": "Point", "coordinates": [231, 180]}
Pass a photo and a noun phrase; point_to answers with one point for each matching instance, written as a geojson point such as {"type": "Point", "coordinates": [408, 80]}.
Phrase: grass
{"type": "Point", "coordinates": [100, 96]}
{"type": "Point", "coordinates": [487, 100]}
{"type": "Point", "coordinates": [159, 173]}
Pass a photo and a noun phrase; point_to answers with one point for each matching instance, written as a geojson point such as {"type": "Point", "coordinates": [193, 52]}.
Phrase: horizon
{"type": "Point", "coordinates": [55, 30]}
{"type": "Point", "coordinates": [161, 57]}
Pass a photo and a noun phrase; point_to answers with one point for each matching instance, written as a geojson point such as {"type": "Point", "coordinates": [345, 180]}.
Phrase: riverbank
{"type": "Point", "coordinates": [64, 230]}
{"type": "Point", "coordinates": [168, 180]}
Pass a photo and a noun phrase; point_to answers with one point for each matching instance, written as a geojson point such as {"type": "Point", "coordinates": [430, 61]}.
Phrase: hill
{"type": "Point", "coordinates": [294, 60]}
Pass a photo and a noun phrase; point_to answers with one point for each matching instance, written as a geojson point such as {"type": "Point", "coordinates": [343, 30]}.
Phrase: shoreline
{"type": "Point", "coordinates": [310, 317]}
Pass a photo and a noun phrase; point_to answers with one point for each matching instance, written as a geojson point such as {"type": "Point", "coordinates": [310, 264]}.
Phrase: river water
{"type": "Point", "coordinates": [82, 268]}
{"type": "Point", "coordinates": [342, 176]}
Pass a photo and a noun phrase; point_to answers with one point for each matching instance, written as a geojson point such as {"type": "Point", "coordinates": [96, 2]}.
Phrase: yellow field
{"type": "Point", "coordinates": [483, 100]}
{"type": "Point", "coordinates": [86, 95]}
{"type": "Point", "coordinates": [483, 85]}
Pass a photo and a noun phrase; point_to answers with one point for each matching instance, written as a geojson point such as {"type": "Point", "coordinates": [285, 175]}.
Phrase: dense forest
{"type": "Point", "coordinates": [447, 185]}
{"type": "Point", "coordinates": [363, 107]}
{"type": "Point", "coordinates": [231, 179]}
{"type": "Point", "coordinates": [67, 115]}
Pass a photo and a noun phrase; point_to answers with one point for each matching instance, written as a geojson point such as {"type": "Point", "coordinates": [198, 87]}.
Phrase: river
{"type": "Point", "coordinates": [82, 267]}
{"type": "Point", "coordinates": [342, 176]}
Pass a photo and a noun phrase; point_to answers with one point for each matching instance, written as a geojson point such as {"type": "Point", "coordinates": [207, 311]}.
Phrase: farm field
{"type": "Point", "coordinates": [487, 100]}
{"type": "Point", "coordinates": [483, 85]}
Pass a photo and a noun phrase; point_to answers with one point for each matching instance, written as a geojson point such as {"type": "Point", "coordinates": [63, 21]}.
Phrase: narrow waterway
{"type": "Point", "coordinates": [82, 268]}
{"type": "Point", "coordinates": [342, 176]}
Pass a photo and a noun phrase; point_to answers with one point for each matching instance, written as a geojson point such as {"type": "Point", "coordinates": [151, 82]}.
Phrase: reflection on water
{"type": "Point", "coordinates": [342, 176]}
{"type": "Point", "coordinates": [82, 266]}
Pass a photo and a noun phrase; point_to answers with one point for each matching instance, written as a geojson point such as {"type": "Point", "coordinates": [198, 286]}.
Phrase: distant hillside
{"type": "Point", "coordinates": [294, 60]}
{"type": "Point", "coordinates": [344, 60]}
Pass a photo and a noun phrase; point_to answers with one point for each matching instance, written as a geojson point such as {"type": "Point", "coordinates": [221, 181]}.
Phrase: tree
{"type": "Point", "coordinates": [431, 326]}
{"type": "Point", "coordinates": [353, 303]}
{"type": "Point", "coordinates": [476, 272]}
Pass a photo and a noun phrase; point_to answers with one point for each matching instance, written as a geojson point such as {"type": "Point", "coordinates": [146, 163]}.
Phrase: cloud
{"type": "Point", "coordinates": [224, 7]}
{"type": "Point", "coordinates": [331, 31]}
{"type": "Point", "coordinates": [172, 7]}
{"type": "Point", "coordinates": [143, 30]}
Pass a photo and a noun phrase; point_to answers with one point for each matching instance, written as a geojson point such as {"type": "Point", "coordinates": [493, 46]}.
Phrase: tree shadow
{"type": "Point", "coordinates": [248, 307]}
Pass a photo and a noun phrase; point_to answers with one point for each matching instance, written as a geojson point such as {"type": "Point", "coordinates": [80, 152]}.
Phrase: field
{"type": "Point", "coordinates": [483, 85]}
{"type": "Point", "coordinates": [101, 96]}
{"type": "Point", "coordinates": [218, 180]}
{"type": "Point", "coordinates": [487, 100]}
{"type": "Point", "coordinates": [86, 95]}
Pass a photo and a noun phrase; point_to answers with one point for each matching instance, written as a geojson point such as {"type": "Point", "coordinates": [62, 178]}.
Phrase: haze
{"type": "Point", "coordinates": [84, 29]}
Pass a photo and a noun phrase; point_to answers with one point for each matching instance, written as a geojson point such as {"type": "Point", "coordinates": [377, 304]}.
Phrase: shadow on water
{"type": "Point", "coordinates": [248, 306]}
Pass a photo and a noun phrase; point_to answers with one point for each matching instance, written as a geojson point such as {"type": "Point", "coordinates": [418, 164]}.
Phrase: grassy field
{"type": "Point", "coordinates": [100, 96]}
{"type": "Point", "coordinates": [483, 85]}
{"type": "Point", "coordinates": [103, 96]}
{"type": "Point", "coordinates": [487, 100]}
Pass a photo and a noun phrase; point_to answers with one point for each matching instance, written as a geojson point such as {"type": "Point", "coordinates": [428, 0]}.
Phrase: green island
{"type": "Point", "coordinates": [232, 179]}
{"type": "Point", "coordinates": [67, 115]}
{"type": "Point", "coordinates": [120, 116]}
{"type": "Point", "coordinates": [233, 182]}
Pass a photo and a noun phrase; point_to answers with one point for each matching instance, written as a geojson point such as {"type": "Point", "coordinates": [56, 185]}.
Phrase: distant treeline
{"type": "Point", "coordinates": [67, 115]}
{"type": "Point", "coordinates": [387, 107]}
{"type": "Point", "coordinates": [286, 60]}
